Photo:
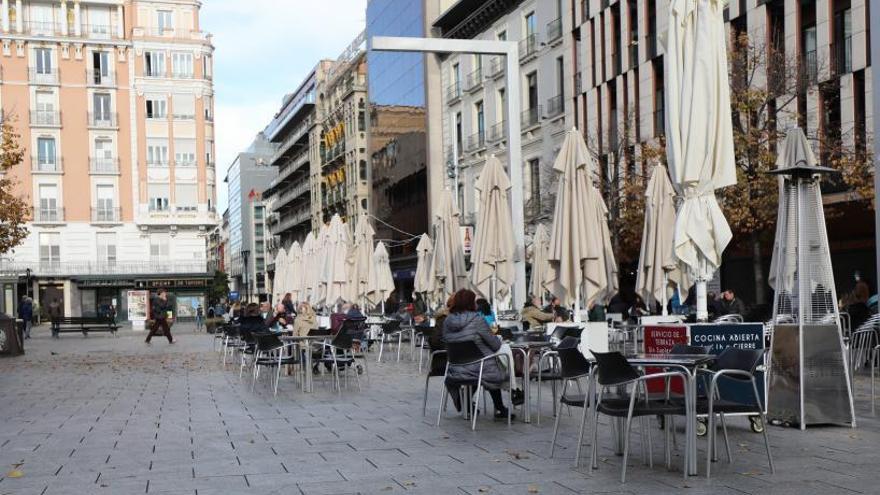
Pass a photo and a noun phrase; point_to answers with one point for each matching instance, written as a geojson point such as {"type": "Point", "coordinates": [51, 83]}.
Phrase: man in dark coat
{"type": "Point", "coordinates": [162, 314]}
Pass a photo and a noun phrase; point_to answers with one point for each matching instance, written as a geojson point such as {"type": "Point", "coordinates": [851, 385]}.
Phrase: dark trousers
{"type": "Point", "coordinates": [495, 394]}
{"type": "Point", "coordinates": [166, 328]}
{"type": "Point", "coordinates": [56, 326]}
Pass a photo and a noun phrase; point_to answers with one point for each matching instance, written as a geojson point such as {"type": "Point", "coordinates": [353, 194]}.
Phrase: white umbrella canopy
{"type": "Point", "coordinates": [581, 261]}
{"type": "Point", "coordinates": [492, 271]}
{"type": "Point", "coordinates": [294, 271]}
{"type": "Point", "coordinates": [279, 281]}
{"type": "Point", "coordinates": [699, 143]}
{"type": "Point", "coordinates": [334, 279]}
{"type": "Point", "coordinates": [424, 281]}
{"type": "Point", "coordinates": [657, 263]}
{"type": "Point", "coordinates": [361, 260]}
{"type": "Point", "coordinates": [538, 254]}
{"type": "Point", "coordinates": [450, 273]}
{"type": "Point", "coordinates": [381, 280]}
{"type": "Point", "coordinates": [308, 267]}
{"type": "Point", "coordinates": [795, 151]}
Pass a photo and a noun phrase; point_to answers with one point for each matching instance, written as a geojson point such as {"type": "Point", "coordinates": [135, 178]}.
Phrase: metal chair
{"type": "Point", "coordinates": [338, 353]}
{"type": "Point", "coordinates": [614, 371]}
{"type": "Point", "coordinates": [270, 352]}
{"type": "Point", "coordinates": [731, 318]}
{"type": "Point", "coordinates": [357, 328]}
{"type": "Point", "coordinates": [390, 329]}
{"type": "Point", "coordinates": [738, 365]}
{"type": "Point", "coordinates": [864, 351]}
{"type": "Point", "coordinates": [468, 353]}
{"type": "Point", "coordinates": [573, 367]}
{"type": "Point", "coordinates": [436, 362]}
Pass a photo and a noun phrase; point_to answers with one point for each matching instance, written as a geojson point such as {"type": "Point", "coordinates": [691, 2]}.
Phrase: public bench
{"type": "Point", "coordinates": [85, 324]}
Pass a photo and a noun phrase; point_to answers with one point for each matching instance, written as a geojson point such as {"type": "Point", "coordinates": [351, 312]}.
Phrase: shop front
{"type": "Point", "coordinates": [186, 293]}
{"type": "Point", "coordinates": [104, 297]}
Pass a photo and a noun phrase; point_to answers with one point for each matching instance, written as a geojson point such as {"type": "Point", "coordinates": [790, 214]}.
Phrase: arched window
{"type": "Point", "coordinates": [362, 172]}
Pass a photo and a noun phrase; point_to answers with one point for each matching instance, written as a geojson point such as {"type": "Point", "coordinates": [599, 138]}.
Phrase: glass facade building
{"type": "Point", "coordinates": [396, 135]}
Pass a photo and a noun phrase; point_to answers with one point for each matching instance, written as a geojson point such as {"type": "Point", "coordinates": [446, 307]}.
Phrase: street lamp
{"type": "Point", "coordinates": [27, 281]}
{"type": "Point", "coordinates": [244, 256]}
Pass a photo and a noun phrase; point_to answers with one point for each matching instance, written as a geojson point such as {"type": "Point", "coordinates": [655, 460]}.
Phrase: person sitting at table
{"type": "Point", "coordinates": [354, 312]}
{"type": "Point", "coordinates": [464, 324]}
{"type": "Point", "coordinates": [532, 314]}
{"type": "Point", "coordinates": [305, 321]}
{"type": "Point", "coordinates": [485, 309]}
{"type": "Point", "coordinates": [280, 320]}
{"type": "Point", "coordinates": [561, 314]}
{"type": "Point", "coordinates": [252, 321]}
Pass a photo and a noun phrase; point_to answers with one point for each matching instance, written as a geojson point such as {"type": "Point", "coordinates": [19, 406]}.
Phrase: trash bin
{"type": "Point", "coordinates": [11, 343]}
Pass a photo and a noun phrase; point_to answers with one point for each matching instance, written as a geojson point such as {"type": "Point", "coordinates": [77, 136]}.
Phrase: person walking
{"type": "Point", "coordinates": [162, 315]}
{"type": "Point", "coordinates": [26, 313]}
{"type": "Point", "coordinates": [54, 316]}
{"type": "Point", "coordinates": [200, 318]}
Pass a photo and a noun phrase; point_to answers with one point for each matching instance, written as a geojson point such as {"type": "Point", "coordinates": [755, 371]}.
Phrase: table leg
{"type": "Point", "coordinates": [309, 377]}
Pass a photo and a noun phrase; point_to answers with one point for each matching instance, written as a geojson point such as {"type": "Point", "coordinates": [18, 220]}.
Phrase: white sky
{"type": "Point", "coordinates": [264, 49]}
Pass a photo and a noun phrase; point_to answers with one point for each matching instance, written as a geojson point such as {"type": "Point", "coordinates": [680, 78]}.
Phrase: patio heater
{"type": "Point", "coordinates": [809, 381]}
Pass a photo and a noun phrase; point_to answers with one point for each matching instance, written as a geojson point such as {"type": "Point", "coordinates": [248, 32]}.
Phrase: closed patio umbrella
{"type": "Point", "coordinates": [657, 263]}
{"type": "Point", "coordinates": [279, 281]}
{"type": "Point", "coordinates": [381, 281]}
{"type": "Point", "coordinates": [424, 281]}
{"type": "Point", "coordinates": [294, 271]}
{"type": "Point", "coordinates": [335, 253]}
{"type": "Point", "coordinates": [538, 256]}
{"type": "Point", "coordinates": [308, 269]}
{"type": "Point", "coordinates": [362, 260]}
{"type": "Point", "coordinates": [448, 265]}
{"type": "Point", "coordinates": [492, 271]}
{"type": "Point", "coordinates": [699, 143]}
{"type": "Point", "coordinates": [581, 262]}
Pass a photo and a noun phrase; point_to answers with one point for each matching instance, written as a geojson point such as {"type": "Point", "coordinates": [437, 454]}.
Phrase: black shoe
{"type": "Point", "coordinates": [518, 397]}
{"type": "Point", "coordinates": [456, 401]}
{"type": "Point", "coordinates": [502, 416]}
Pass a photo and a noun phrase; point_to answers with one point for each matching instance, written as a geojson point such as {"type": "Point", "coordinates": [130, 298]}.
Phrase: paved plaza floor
{"type": "Point", "coordinates": [105, 415]}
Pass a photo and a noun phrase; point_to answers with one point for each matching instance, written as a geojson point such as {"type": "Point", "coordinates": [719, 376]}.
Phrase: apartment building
{"type": "Point", "coordinates": [619, 82]}
{"type": "Point", "coordinates": [247, 177]}
{"type": "Point", "coordinates": [471, 111]}
{"type": "Point", "coordinates": [340, 176]}
{"type": "Point", "coordinates": [113, 102]}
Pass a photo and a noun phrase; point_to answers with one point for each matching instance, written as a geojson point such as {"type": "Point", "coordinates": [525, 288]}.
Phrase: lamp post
{"type": "Point", "coordinates": [27, 281]}
{"type": "Point", "coordinates": [245, 253]}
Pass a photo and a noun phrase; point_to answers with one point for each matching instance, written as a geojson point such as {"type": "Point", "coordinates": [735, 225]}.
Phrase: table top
{"type": "Point", "coordinates": [529, 344]}
{"type": "Point", "coordinates": [304, 337]}
{"type": "Point", "coordinates": [670, 359]}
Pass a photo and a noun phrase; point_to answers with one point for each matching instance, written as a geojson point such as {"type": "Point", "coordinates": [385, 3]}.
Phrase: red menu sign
{"type": "Point", "coordinates": [660, 339]}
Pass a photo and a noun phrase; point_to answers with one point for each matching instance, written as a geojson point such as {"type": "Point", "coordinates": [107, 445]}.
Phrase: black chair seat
{"type": "Point", "coordinates": [548, 376]}
{"type": "Point", "coordinates": [268, 361]}
{"type": "Point", "coordinates": [577, 400]}
{"type": "Point", "coordinates": [620, 408]}
{"type": "Point", "coordinates": [726, 407]}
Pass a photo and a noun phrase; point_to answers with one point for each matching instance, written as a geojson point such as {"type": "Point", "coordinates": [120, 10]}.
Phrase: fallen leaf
{"type": "Point", "coordinates": [15, 473]}
{"type": "Point", "coordinates": [483, 489]}
{"type": "Point", "coordinates": [533, 488]}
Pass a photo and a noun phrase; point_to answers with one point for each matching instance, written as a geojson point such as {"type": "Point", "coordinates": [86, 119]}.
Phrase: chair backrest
{"type": "Point", "coordinates": [267, 341]}
{"type": "Point", "coordinates": [343, 339]}
{"type": "Point", "coordinates": [689, 349]}
{"type": "Point", "coordinates": [354, 326]}
{"type": "Point", "coordinates": [390, 326]}
{"type": "Point", "coordinates": [861, 345]}
{"type": "Point", "coordinates": [574, 364]}
{"type": "Point", "coordinates": [463, 352]}
{"type": "Point", "coordinates": [613, 368]}
{"type": "Point", "coordinates": [729, 318]}
{"type": "Point", "coordinates": [734, 358]}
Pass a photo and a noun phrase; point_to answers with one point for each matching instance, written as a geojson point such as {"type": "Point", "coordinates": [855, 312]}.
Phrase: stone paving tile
{"type": "Point", "coordinates": [109, 415]}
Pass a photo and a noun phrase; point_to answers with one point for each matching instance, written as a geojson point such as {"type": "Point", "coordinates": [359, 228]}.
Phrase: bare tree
{"type": "Point", "coordinates": [13, 208]}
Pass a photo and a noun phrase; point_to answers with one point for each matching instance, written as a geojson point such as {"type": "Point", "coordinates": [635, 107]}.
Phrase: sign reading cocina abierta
{"type": "Point", "coordinates": [720, 337]}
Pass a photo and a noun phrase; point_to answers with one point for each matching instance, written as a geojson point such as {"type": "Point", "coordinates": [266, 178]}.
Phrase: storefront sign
{"type": "Point", "coordinates": [101, 283]}
{"type": "Point", "coordinates": [660, 339]}
{"type": "Point", "coordinates": [740, 335]}
{"type": "Point", "coordinates": [199, 283]}
{"type": "Point", "coordinates": [138, 308]}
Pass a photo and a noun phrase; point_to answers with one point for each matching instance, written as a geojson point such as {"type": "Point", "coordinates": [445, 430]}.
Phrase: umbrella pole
{"type": "Point", "coordinates": [664, 311]}
{"type": "Point", "coordinates": [494, 296]}
{"type": "Point", "coordinates": [702, 303]}
{"type": "Point", "coordinates": [577, 305]}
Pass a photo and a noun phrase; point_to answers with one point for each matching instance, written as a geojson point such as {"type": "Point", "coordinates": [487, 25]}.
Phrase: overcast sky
{"type": "Point", "coordinates": [264, 50]}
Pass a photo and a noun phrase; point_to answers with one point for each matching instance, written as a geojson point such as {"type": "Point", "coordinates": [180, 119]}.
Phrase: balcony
{"type": "Point", "coordinates": [453, 92]}
{"type": "Point", "coordinates": [48, 214]}
{"type": "Point", "coordinates": [103, 120]}
{"type": "Point", "coordinates": [294, 218]}
{"type": "Point", "coordinates": [46, 165]}
{"type": "Point", "coordinates": [184, 116]}
{"type": "Point", "coordinates": [474, 80]}
{"type": "Point", "coordinates": [186, 208]}
{"type": "Point", "coordinates": [158, 163]}
{"type": "Point", "coordinates": [292, 193]}
{"type": "Point", "coordinates": [555, 106]}
{"type": "Point", "coordinates": [40, 28]}
{"type": "Point", "coordinates": [57, 268]}
{"type": "Point", "coordinates": [554, 30]}
{"type": "Point", "coordinates": [530, 117]}
{"type": "Point", "coordinates": [498, 132]}
{"type": "Point", "coordinates": [96, 78]}
{"type": "Point", "coordinates": [108, 166]}
{"type": "Point", "coordinates": [46, 118]}
{"type": "Point", "coordinates": [106, 215]}
{"type": "Point", "coordinates": [185, 163]}
{"type": "Point", "coordinates": [528, 48]}
{"type": "Point", "coordinates": [496, 67]}
{"type": "Point", "coordinates": [182, 75]}
{"type": "Point", "coordinates": [43, 76]}
{"type": "Point", "coordinates": [476, 141]}
{"type": "Point", "coordinates": [99, 31]}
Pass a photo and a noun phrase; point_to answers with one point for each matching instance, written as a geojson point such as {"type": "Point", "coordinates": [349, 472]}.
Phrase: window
{"type": "Point", "coordinates": [560, 77]}
{"type": "Point", "coordinates": [534, 186]}
{"type": "Point", "coordinates": [157, 152]}
{"type": "Point", "coordinates": [207, 68]}
{"type": "Point", "coordinates": [159, 196]}
{"type": "Point", "coordinates": [104, 203]}
{"type": "Point", "coordinates": [362, 170]}
{"type": "Point", "coordinates": [164, 20]}
{"type": "Point", "coordinates": [481, 120]}
{"type": "Point", "coordinates": [182, 65]}
{"type": "Point", "coordinates": [186, 197]}
{"type": "Point", "coordinates": [456, 79]}
{"type": "Point", "coordinates": [45, 112]}
{"type": "Point", "coordinates": [501, 36]}
{"type": "Point", "coordinates": [41, 20]}
{"type": "Point", "coordinates": [154, 64]}
{"type": "Point", "coordinates": [160, 247]}
{"type": "Point", "coordinates": [106, 243]}
{"type": "Point", "coordinates": [100, 67]}
{"type": "Point", "coordinates": [48, 203]}
{"type": "Point", "coordinates": [531, 23]}
{"type": "Point", "coordinates": [43, 59]}
{"type": "Point", "coordinates": [532, 87]}
{"type": "Point", "coordinates": [99, 19]}
{"type": "Point", "coordinates": [501, 105]}
{"type": "Point", "coordinates": [104, 155]}
{"type": "Point", "coordinates": [101, 108]}
{"type": "Point", "coordinates": [458, 130]}
{"type": "Point", "coordinates": [184, 107]}
{"type": "Point", "coordinates": [185, 152]}
{"type": "Point", "coordinates": [208, 103]}
{"type": "Point", "coordinates": [157, 108]}
{"type": "Point", "coordinates": [362, 119]}
{"type": "Point", "coordinates": [46, 155]}
{"type": "Point", "coordinates": [209, 152]}
{"type": "Point", "coordinates": [50, 247]}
